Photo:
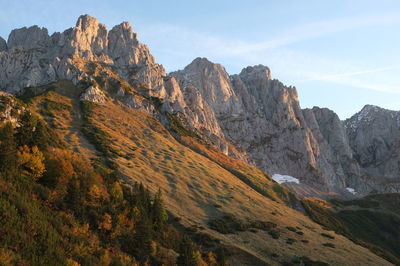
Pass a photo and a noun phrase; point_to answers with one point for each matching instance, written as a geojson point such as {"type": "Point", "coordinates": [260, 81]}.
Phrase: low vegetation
{"type": "Point", "coordinates": [304, 261]}
{"type": "Point", "coordinates": [228, 224]}
{"type": "Point", "coordinates": [56, 208]}
{"type": "Point", "coordinates": [369, 227]}
{"type": "Point", "coordinates": [96, 135]}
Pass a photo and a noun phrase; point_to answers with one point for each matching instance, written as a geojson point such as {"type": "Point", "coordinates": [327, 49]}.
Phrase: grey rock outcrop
{"type": "Point", "coordinates": [261, 117]}
{"type": "Point", "coordinates": [374, 136]}
{"type": "Point", "coordinates": [34, 58]}
{"type": "Point", "coordinates": [3, 45]}
{"type": "Point", "coordinates": [93, 94]}
{"type": "Point", "coordinates": [28, 38]}
{"type": "Point", "coordinates": [10, 109]}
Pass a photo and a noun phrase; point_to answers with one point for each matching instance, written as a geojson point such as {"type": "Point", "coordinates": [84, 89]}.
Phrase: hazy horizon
{"type": "Point", "coordinates": [341, 56]}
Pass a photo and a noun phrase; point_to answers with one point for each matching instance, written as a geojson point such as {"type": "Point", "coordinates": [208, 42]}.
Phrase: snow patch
{"type": "Point", "coordinates": [351, 190]}
{"type": "Point", "coordinates": [285, 179]}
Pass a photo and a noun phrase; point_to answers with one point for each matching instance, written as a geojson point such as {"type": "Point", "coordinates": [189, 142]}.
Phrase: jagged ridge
{"type": "Point", "coordinates": [249, 116]}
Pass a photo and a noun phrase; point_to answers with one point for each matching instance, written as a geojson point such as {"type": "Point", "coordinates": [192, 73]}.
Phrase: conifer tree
{"type": "Point", "coordinates": [186, 253]}
{"type": "Point", "coordinates": [159, 215]}
{"type": "Point", "coordinates": [26, 131]}
{"type": "Point", "coordinates": [8, 148]}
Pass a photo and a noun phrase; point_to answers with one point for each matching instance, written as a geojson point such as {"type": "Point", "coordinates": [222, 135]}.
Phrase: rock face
{"type": "Point", "coordinates": [249, 116]}
{"type": "Point", "coordinates": [34, 58]}
{"type": "Point", "coordinates": [261, 117]}
{"type": "Point", "coordinates": [374, 135]}
{"type": "Point", "coordinates": [93, 94]}
{"type": "Point", "coordinates": [3, 45]}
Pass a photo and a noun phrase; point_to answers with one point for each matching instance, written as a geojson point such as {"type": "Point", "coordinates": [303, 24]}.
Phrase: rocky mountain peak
{"type": "Point", "coordinates": [249, 115]}
{"type": "Point", "coordinates": [201, 63]}
{"type": "Point", "coordinates": [89, 40]}
{"type": "Point", "coordinates": [369, 109]}
{"type": "Point", "coordinates": [210, 79]}
{"type": "Point", "coordinates": [122, 42]}
{"type": "Point", "coordinates": [258, 71]}
{"type": "Point", "coordinates": [368, 114]}
{"type": "Point", "coordinates": [28, 38]}
{"type": "Point", "coordinates": [86, 21]}
{"type": "Point", "coordinates": [374, 136]}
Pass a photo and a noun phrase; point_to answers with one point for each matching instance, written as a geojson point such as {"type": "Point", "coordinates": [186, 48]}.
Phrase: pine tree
{"type": "Point", "coordinates": [8, 148]}
{"type": "Point", "coordinates": [186, 253]}
{"type": "Point", "coordinates": [25, 133]}
{"type": "Point", "coordinates": [158, 213]}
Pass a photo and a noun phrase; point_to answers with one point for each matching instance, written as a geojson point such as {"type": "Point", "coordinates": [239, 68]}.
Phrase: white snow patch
{"type": "Point", "coordinates": [285, 179]}
{"type": "Point", "coordinates": [351, 190]}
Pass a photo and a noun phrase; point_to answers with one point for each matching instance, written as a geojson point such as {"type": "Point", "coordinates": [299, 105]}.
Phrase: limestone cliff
{"type": "Point", "coordinates": [31, 57]}
{"type": "Point", "coordinates": [249, 115]}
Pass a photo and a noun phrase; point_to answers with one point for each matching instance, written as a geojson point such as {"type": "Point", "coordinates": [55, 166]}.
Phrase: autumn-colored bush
{"type": "Point", "coordinates": [31, 162]}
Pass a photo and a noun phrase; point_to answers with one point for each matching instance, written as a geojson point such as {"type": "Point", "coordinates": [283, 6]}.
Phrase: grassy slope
{"type": "Point", "coordinates": [197, 189]}
{"type": "Point", "coordinates": [372, 222]}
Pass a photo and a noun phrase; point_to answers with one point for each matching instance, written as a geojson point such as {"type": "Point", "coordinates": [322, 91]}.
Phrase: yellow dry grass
{"type": "Point", "coordinates": [197, 188]}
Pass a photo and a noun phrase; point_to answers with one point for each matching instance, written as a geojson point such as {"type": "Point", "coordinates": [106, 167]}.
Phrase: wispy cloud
{"type": "Point", "coordinates": [350, 74]}
{"type": "Point", "coordinates": [384, 79]}
{"type": "Point", "coordinates": [320, 28]}
{"type": "Point", "coordinates": [234, 47]}
{"type": "Point", "coordinates": [176, 46]}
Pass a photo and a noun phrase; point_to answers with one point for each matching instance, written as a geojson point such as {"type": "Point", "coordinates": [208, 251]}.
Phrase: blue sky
{"type": "Point", "coordinates": [338, 54]}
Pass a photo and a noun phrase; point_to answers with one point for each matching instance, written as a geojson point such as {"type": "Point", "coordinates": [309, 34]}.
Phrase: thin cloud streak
{"type": "Point", "coordinates": [234, 47]}
{"type": "Point", "coordinates": [186, 44]}
{"type": "Point", "coordinates": [317, 29]}
{"type": "Point", "coordinates": [349, 74]}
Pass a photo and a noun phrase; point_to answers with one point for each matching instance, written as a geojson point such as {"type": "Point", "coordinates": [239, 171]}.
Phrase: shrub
{"type": "Point", "coordinates": [328, 245]}
{"type": "Point", "coordinates": [290, 241]}
{"type": "Point", "coordinates": [48, 106]}
{"type": "Point", "coordinates": [263, 225]}
{"type": "Point", "coordinates": [274, 233]}
{"type": "Point", "coordinates": [221, 226]}
{"type": "Point", "coordinates": [308, 262]}
{"type": "Point", "coordinates": [30, 161]}
{"type": "Point", "coordinates": [228, 224]}
{"type": "Point", "coordinates": [291, 228]}
{"type": "Point", "coordinates": [327, 235]}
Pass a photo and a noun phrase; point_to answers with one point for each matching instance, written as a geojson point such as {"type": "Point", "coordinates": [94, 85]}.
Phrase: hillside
{"type": "Point", "coordinates": [200, 192]}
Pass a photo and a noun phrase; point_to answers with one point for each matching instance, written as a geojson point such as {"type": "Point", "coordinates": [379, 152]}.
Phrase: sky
{"type": "Point", "coordinates": [338, 54]}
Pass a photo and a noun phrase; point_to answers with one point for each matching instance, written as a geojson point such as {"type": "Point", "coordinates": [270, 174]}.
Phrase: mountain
{"type": "Point", "coordinates": [208, 140]}
{"type": "Point", "coordinates": [374, 135]}
{"type": "Point", "coordinates": [249, 116]}
{"type": "Point", "coordinates": [262, 118]}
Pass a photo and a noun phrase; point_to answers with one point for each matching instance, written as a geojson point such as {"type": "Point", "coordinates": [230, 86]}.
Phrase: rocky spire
{"type": "Point", "coordinates": [28, 38]}
{"type": "Point", "coordinates": [256, 72]}
{"type": "Point", "coordinates": [213, 83]}
{"type": "Point", "coordinates": [122, 44]}
{"type": "Point", "coordinates": [88, 39]}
